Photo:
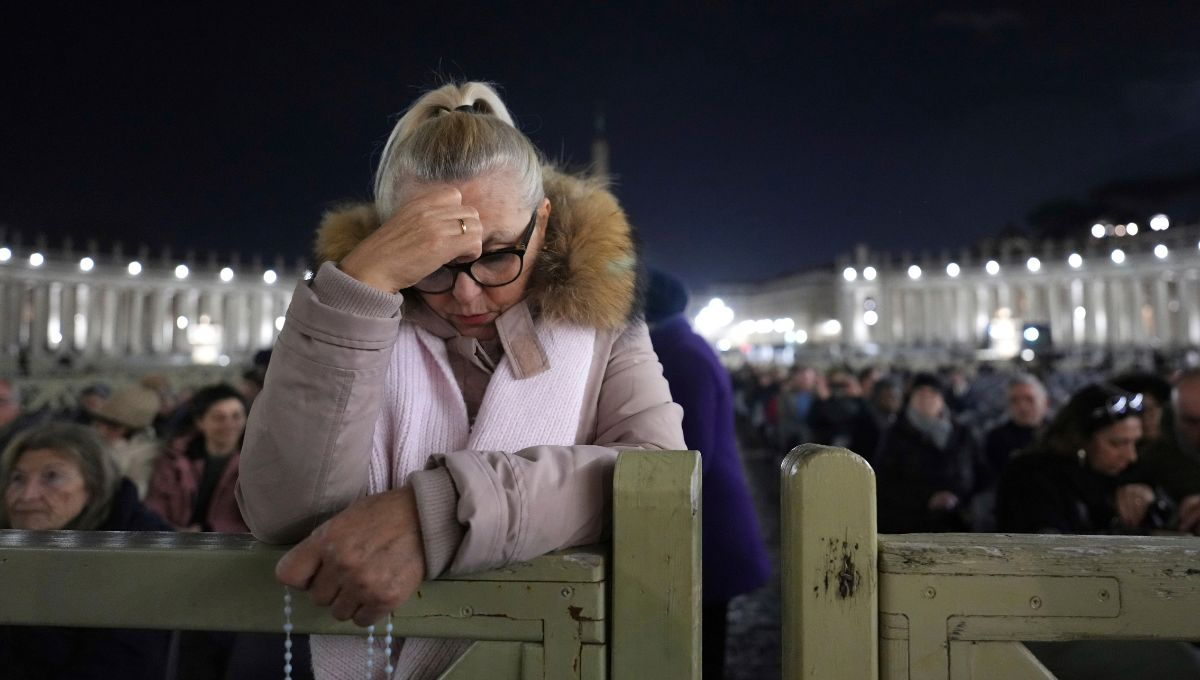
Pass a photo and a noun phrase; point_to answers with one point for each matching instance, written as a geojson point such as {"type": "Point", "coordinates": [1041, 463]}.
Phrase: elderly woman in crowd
{"type": "Point", "coordinates": [124, 422]}
{"type": "Point", "coordinates": [58, 476]}
{"type": "Point", "coordinates": [451, 390]}
{"type": "Point", "coordinates": [928, 464]}
{"type": "Point", "coordinates": [193, 481]}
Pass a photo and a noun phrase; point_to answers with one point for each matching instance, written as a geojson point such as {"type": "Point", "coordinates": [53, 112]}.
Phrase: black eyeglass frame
{"type": "Point", "coordinates": [456, 268]}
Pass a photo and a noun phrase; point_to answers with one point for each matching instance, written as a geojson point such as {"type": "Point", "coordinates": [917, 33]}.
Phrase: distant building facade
{"type": "Point", "coordinates": [1116, 291]}
{"type": "Point", "coordinates": [64, 308]}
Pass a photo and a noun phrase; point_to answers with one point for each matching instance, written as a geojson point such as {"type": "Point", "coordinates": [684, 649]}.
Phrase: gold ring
{"type": "Point", "coordinates": [463, 223]}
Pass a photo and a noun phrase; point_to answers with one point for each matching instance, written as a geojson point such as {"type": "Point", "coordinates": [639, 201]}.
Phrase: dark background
{"type": "Point", "coordinates": [745, 142]}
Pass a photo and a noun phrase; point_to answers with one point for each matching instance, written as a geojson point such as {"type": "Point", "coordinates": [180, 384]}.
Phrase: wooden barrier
{"type": "Point", "coordinates": [551, 617]}
{"type": "Point", "coordinates": [957, 606]}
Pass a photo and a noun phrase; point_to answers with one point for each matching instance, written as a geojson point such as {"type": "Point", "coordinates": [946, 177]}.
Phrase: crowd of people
{"type": "Point", "coordinates": [959, 452]}
{"type": "Point", "coordinates": [141, 457]}
{"type": "Point", "coordinates": [1009, 452]}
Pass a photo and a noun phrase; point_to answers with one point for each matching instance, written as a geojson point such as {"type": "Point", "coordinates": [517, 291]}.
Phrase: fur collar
{"type": "Point", "coordinates": [586, 272]}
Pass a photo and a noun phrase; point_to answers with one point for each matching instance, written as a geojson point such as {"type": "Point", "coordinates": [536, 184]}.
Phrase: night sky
{"type": "Point", "coordinates": [745, 142]}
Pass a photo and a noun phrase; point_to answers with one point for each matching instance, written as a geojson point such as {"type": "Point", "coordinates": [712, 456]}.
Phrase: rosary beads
{"type": "Point", "coordinates": [287, 642]}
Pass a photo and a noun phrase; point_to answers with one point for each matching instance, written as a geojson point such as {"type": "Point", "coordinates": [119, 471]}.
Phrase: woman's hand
{"type": "Point", "coordinates": [364, 562]}
{"type": "Point", "coordinates": [425, 233]}
{"type": "Point", "coordinates": [1133, 500]}
{"type": "Point", "coordinates": [1189, 514]}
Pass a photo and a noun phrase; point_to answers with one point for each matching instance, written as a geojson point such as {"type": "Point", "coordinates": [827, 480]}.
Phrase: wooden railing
{"type": "Point", "coordinates": [941, 606]}
{"type": "Point", "coordinates": [552, 617]}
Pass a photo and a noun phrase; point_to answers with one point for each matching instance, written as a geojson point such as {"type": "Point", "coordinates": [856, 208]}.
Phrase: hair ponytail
{"type": "Point", "coordinates": [450, 134]}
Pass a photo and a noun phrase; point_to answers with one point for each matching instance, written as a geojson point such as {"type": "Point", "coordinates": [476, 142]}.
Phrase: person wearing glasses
{"type": "Point", "coordinates": [1082, 476]}
{"type": "Point", "coordinates": [450, 391]}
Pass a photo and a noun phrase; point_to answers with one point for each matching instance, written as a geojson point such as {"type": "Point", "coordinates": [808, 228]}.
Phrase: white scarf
{"type": "Point", "coordinates": [423, 413]}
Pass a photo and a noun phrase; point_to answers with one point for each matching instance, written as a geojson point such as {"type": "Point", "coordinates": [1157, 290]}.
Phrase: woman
{"type": "Point", "coordinates": [193, 488]}
{"type": "Point", "coordinates": [58, 476]}
{"type": "Point", "coordinates": [927, 465]}
{"type": "Point", "coordinates": [193, 481]}
{"type": "Point", "coordinates": [1080, 476]}
{"type": "Point", "coordinates": [466, 355]}
{"type": "Point", "coordinates": [124, 422]}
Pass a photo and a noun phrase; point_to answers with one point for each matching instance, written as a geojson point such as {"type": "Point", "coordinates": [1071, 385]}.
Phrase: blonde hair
{"type": "Point", "coordinates": [451, 134]}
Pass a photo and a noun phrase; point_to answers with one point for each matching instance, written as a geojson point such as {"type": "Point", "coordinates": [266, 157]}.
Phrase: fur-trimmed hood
{"type": "Point", "coordinates": [586, 272]}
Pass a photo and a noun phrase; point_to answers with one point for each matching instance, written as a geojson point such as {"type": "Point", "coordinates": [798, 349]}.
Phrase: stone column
{"type": "Point", "coordinates": [107, 321]}
{"type": "Point", "coordinates": [1097, 313]}
{"type": "Point", "coordinates": [67, 307]}
{"type": "Point", "coordinates": [10, 316]}
{"type": "Point", "coordinates": [896, 312]}
{"type": "Point", "coordinates": [137, 335]}
{"type": "Point", "coordinates": [1058, 332]}
{"type": "Point", "coordinates": [1137, 301]}
{"type": "Point", "coordinates": [40, 323]}
{"type": "Point", "coordinates": [1189, 307]}
{"type": "Point", "coordinates": [1162, 313]}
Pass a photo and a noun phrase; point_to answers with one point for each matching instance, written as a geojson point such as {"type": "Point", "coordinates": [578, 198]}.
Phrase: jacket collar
{"type": "Point", "coordinates": [516, 330]}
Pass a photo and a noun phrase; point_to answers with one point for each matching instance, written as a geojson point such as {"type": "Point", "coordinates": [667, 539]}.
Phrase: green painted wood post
{"type": "Point", "coordinates": [829, 569]}
{"type": "Point", "coordinates": [656, 566]}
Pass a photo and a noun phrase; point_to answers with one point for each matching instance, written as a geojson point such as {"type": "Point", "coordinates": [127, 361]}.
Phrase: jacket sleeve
{"type": "Point", "coordinates": [518, 505]}
{"type": "Point", "coordinates": [308, 437]}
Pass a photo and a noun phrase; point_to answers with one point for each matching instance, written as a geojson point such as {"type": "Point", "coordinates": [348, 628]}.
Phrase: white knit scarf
{"type": "Point", "coordinates": [423, 413]}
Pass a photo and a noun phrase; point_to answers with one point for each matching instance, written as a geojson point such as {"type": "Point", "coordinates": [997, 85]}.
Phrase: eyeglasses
{"type": "Point", "coordinates": [490, 270]}
{"type": "Point", "coordinates": [1119, 406]}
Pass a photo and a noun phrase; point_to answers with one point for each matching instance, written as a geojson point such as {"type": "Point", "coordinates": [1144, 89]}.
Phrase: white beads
{"type": "Point", "coordinates": [370, 652]}
{"type": "Point", "coordinates": [287, 632]}
{"type": "Point", "coordinates": [389, 629]}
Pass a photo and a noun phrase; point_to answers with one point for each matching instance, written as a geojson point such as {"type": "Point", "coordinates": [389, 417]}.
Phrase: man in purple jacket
{"type": "Point", "coordinates": [735, 559]}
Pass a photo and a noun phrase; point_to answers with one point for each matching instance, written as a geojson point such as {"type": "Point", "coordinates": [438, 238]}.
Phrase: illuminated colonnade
{"type": "Point", "coordinates": [86, 309]}
{"type": "Point", "coordinates": [1135, 290]}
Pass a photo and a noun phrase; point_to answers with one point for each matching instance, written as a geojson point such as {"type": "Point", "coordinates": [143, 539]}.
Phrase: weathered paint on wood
{"type": "Point", "coordinates": [958, 605]}
{"type": "Point", "coordinates": [828, 539]}
{"type": "Point", "coordinates": [656, 566]}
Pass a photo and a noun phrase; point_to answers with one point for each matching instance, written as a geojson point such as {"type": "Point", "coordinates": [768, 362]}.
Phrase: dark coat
{"type": "Point", "coordinates": [29, 653]}
{"type": "Point", "coordinates": [1165, 461]}
{"type": "Point", "coordinates": [999, 446]}
{"type": "Point", "coordinates": [1044, 492]}
{"type": "Point", "coordinates": [735, 559]}
{"type": "Point", "coordinates": [911, 469]}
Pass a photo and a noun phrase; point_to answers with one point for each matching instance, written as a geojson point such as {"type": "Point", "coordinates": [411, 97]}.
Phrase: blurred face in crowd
{"type": "Point", "coordinates": [927, 401]}
{"type": "Point", "coordinates": [91, 402]}
{"type": "Point", "coordinates": [44, 490]}
{"type": "Point", "coordinates": [1113, 448]}
{"type": "Point", "coordinates": [222, 425]}
{"type": "Point", "coordinates": [1187, 411]}
{"type": "Point", "coordinates": [109, 432]}
{"type": "Point", "coordinates": [9, 409]}
{"type": "Point", "coordinates": [1152, 412]}
{"type": "Point", "coordinates": [843, 385]}
{"type": "Point", "coordinates": [804, 380]}
{"type": "Point", "coordinates": [1026, 405]}
{"type": "Point", "coordinates": [889, 399]}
